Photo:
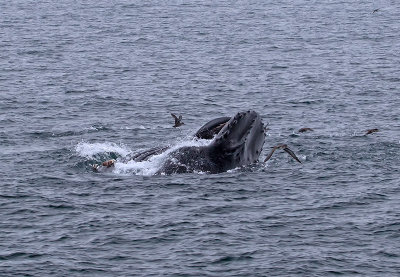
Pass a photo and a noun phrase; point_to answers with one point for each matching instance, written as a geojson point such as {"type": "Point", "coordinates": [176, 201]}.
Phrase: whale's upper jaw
{"type": "Point", "coordinates": [241, 139]}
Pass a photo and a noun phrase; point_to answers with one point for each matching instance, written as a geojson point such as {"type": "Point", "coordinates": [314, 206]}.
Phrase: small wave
{"type": "Point", "coordinates": [65, 133]}
{"type": "Point", "coordinates": [79, 91]}
{"type": "Point", "coordinates": [234, 258]}
{"type": "Point", "coordinates": [140, 127]}
{"type": "Point", "coordinates": [16, 255]}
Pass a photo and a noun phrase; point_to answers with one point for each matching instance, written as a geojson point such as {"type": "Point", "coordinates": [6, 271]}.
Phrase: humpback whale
{"type": "Point", "coordinates": [210, 129]}
{"type": "Point", "coordinates": [236, 141]}
{"type": "Point", "coordinates": [239, 142]}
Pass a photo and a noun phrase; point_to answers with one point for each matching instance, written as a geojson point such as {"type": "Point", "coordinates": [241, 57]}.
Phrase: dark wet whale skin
{"type": "Point", "coordinates": [239, 143]}
{"type": "Point", "coordinates": [211, 128]}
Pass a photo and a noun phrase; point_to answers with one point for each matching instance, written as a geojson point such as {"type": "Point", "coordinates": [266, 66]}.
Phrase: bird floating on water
{"type": "Point", "coordinates": [302, 130]}
{"type": "Point", "coordinates": [376, 10]}
{"type": "Point", "coordinates": [109, 163]}
{"type": "Point", "coordinates": [178, 120]}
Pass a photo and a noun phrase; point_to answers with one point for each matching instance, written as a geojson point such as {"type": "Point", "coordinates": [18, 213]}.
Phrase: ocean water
{"type": "Point", "coordinates": [86, 81]}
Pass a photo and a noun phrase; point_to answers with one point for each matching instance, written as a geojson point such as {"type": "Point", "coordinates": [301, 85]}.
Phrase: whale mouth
{"type": "Point", "coordinates": [212, 128]}
{"type": "Point", "coordinates": [242, 137]}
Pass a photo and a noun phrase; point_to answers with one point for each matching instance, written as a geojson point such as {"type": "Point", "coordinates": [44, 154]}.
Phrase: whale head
{"type": "Point", "coordinates": [240, 141]}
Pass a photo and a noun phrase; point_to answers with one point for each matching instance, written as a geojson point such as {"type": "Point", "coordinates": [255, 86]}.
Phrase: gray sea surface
{"type": "Point", "coordinates": [86, 81]}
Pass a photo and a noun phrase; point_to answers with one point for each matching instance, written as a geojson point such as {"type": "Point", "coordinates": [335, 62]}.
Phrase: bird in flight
{"type": "Point", "coordinates": [371, 131]}
{"type": "Point", "coordinates": [178, 120]}
{"type": "Point", "coordinates": [285, 148]}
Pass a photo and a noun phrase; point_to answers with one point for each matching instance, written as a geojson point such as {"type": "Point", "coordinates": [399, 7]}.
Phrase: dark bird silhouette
{"type": "Point", "coordinates": [371, 131]}
{"type": "Point", "coordinates": [376, 10]}
{"type": "Point", "coordinates": [285, 148]}
{"type": "Point", "coordinates": [178, 121]}
{"type": "Point", "coordinates": [302, 130]}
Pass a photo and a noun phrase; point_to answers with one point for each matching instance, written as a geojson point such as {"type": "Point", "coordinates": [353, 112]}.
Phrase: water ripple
{"type": "Point", "coordinates": [83, 82]}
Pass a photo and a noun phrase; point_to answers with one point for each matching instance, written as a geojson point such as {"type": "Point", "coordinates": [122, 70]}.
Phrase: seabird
{"type": "Point", "coordinates": [178, 121]}
{"type": "Point", "coordinates": [370, 131]}
{"type": "Point", "coordinates": [107, 164]}
{"type": "Point", "coordinates": [376, 10]}
{"type": "Point", "coordinates": [285, 148]}
{"type": "Point", "coordinates": [302, 130]}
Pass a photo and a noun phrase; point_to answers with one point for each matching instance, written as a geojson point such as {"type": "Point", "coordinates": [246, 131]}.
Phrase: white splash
{"type": "Point", "coordinates": [149, 167]}
{"type": "Point", "coordinates": [154, 163]}
{"type": "Point", "coordinates": [89, 150]}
